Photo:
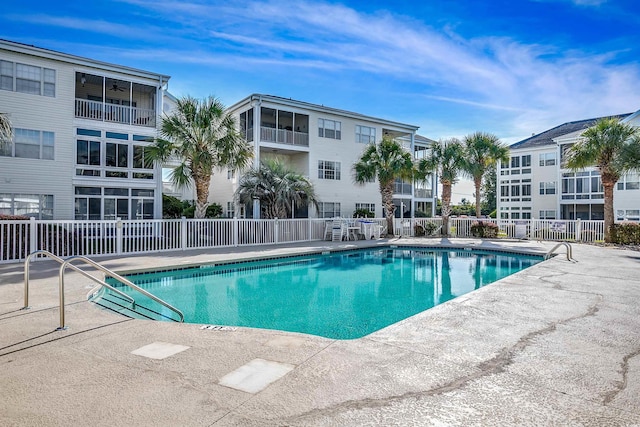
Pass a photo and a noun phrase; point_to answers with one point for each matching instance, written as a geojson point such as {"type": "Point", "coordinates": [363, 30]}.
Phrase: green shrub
{"type": "Point", "coordinates": [172, 207]}
{"type": "Point", "coordinates": [625, 233]}
{"type": "Point", "coordinates": [363, 213]}
{"type": "Point", "coordinates": [484, 229]}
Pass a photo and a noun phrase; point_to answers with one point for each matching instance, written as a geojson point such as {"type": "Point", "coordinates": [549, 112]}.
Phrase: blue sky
{"type": "Point", "coordinates": [510, 67]}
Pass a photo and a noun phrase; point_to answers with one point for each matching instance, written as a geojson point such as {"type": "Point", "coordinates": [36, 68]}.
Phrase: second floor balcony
{"type": "Point", "coordinates": [116, 101]}
{"type": "Point", "coordinates": [284, 136]}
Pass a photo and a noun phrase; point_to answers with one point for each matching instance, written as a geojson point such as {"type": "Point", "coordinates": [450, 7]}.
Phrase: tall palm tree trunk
{"type": "Point", "coordinates": [608, 209]}
{"type": "Point", "coordinates": [389, 208]}
{"type": "Point", "coordinates": [202, 196]}
{"type": "Point", "coordinates": [478, 182]}
{"type": "Point", "coordinates": [446, 206]}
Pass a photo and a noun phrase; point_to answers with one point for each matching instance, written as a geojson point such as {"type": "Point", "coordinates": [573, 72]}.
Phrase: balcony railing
{"type": "Point", "coordinates": [422, 193]}
{"type": "Point", "coordinates": [283, 136]}
{"type": "Point", "coordinates": [114, 113]}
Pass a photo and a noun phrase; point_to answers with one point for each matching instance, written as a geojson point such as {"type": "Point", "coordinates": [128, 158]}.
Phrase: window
{"type": "Point", "coordinates": [547, 188]}
{"type": "Point", "coordinates": [628, 215]}
{"type": "Point", "coordinates": [515, 215]}
{"type": "Point", "coordinates": [551, 214]}
{"type": "Point", "coordinates": [526, 189]}
{"type": "Point", "coordinates": [231, 174]}
{"type": "Point", "coordinates": [231, 209]}
{"type": "Point", "coordinates": [365, 134]}
{"type": "Point", "coordinates": [328, 210]}
{"type": "Point", "coordinates": [30, 144]}
{"type": "Point", "coordinates": [526, 161]}
{"type": "Point", "coordinates": [39, 206]}
{"type": "Point", "coordinates": [49, 87]}
{"type": "Point", "coordinates": [328, 170]}
{"type": "Point", "coordinates": [329, 129]}
{"type": "Point", "coordinates": [631, 181]}
{"type": "Point", "coordinates": [27, 79]}
{"type": "Point", "coordinates": [526, 215]}
{"type": "Point", "coordinates": [98, 157]}
{"type": "Point", "coordinates": [6, 75]}
{"type": "Point", "coordinates": [547, 159]}
{"type": "Point", "coordinates": [117, 155]}
{"type": "Point", "coordinates": [88, 152]}
{"type": "Point", "coordinates": [96, 203]}
{"type": "Point", "coordinates": [515, 190]}
{"type": "Point", "coordinates": [504, 191]}
{"type": "Point", "coordinates": [371, 207]}
{"type": "Point", "coordinates": [515, 162]}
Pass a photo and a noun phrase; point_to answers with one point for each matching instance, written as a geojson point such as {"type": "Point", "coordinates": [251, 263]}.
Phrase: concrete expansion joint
{"type": "Point", "coordinates": [621, 385]}
{"type": "Point", "coordinates": [490, 367]}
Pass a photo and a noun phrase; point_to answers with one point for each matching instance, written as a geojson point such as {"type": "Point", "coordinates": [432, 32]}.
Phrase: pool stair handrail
{"type": "Point", "coordinates": [78, 269]}
{"type": "Point", "coordinates": [568, 249]}
{"type": "Point", "coordinates": [68, 263]}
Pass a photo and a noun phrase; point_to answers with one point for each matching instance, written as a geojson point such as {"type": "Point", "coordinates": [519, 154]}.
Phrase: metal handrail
{"type": "Point", "coordinates": [566, 245]}
{"type": "Point", "coordinates": [61, 261]}
{"type": "Point", "coordinates": [116, 276]}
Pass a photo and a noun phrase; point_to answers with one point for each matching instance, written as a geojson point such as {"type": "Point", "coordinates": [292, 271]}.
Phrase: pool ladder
{"type": "Point", "coordinates": [64, 263]}
{"type": "Point", "coordinates": [567, 247]}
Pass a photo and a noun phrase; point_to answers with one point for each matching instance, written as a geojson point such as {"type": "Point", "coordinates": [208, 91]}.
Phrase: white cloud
{"type": "Point", "coordinates": [532, 87]}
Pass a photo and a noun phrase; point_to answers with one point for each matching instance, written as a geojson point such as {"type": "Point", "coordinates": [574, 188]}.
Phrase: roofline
{"type": "Point", "coordinates": [78, 60]}
{"type": "Point", "coordinates": [621, 116]}
{"type": "Point", "coordinates": [310, 106]}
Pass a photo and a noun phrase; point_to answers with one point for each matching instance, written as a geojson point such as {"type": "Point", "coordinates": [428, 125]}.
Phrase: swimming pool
{"type": "Point", "coordinates": [340, 295]}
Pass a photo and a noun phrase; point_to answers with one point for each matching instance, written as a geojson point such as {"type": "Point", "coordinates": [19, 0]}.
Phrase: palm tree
{"type": "Point", "coordinates": [613, 148]}
{"type": "Point", "coordinates": [203, 137]}
{"type": "Point", "coordinates": [386, 161]}
{"type": "Point", "coordinates": [277, 187]}
{"type": "Point", "coordinates": [6, 131]}
{"type": "Point", "coordinates": [482, 151]}
{"type": "Point", "coordinates": [445, 159]}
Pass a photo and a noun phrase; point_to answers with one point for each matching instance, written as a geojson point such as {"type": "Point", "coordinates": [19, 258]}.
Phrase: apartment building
{"type": "Point", "coordinates": [322, 143]}
{"type": "Point", "coordinates": [536, 183]}
{"type": "Point", "coordinates": [80, 127]}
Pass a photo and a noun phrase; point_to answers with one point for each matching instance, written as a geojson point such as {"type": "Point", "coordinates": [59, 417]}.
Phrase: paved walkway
{"type": "Point", "coordinates": [557, 344]}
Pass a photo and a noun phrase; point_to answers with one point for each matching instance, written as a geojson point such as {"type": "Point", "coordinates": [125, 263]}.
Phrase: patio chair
{"type": "Point", "coordinates": [328, 230]}
{"type": "Point", "coordinates": [339, 229]}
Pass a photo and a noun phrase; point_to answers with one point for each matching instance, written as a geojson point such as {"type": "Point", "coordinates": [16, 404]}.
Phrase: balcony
{"type": "Point", "coordinates": [113, 113]}
{"type": "Point", "coordinates": [284, 136]}
{"type": "Point", "coordinates": [115, 101]}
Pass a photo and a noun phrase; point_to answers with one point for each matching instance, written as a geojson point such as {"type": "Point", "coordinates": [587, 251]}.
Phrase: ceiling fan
{"type": "Point", "coordinates": [116, 88]}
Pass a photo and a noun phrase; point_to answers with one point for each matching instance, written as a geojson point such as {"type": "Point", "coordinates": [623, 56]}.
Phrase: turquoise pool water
{"type": "Point", "coordinates": [342, 295]}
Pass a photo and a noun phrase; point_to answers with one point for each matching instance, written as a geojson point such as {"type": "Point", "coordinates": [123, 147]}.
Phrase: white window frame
{"type": "Point", "coordinates": [324, 212]}
{"type": "Point", "coordinates": [548, 159]}
{"type": "Point", "coordinates": [25, 138]}
{"type": "Point", "coordinates": [548, 188]}
{"type": "Point", "coordinates": [331, 129]}
{"type": "Point", "coordinates": [14, 203]}
{"type": "Point", "coordinates": [365, 134]}
{"type": "Point", "coordinates": [41, 80]}
{"type": "Point", "coordinates": [326, 168]}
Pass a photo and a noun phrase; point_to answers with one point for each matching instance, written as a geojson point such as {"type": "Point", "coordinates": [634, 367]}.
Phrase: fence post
{"type": "Point", "coordinates": [183, 233]}
{"type": "Point", "coordinates": [33, 236]}
{"type": "Point", "coordinates": [578, 230]}
{"type": "Point", "coordinates": [119, 236]}
{"type": "Point", "coordinates": [235, 231]}
{"type": "Point", "coordinates": [310, 229]}
{"type": "Point", "coordinates": [276, 231]}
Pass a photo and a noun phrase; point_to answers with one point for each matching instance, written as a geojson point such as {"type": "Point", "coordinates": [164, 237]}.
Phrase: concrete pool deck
{"type": "Point", "coordinates": [556, 344]}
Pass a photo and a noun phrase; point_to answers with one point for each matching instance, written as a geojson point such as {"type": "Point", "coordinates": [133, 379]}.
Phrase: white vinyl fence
{"type": "Point", "coordinates": [18, 238]}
